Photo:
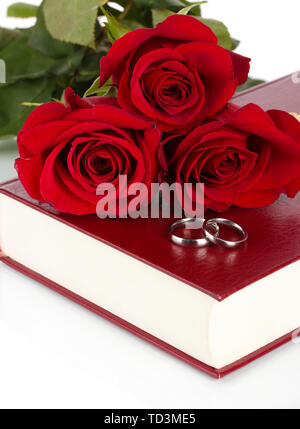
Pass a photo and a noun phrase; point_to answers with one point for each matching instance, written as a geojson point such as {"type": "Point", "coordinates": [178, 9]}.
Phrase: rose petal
{"type": "Point", "coordinates": [177, 27]}
{"type": "Point", "coordinates": [293, 188]}
{"type": "Point", "coordinates": [48, 112]}
{"type": "Point", "coordinates": [214, 65]}
{"type": "Point", "coordinates": [29, 172]}
{"type": "Point", "coordinates": [120, 50]}
{"type": "Point", "coordinates": [124, 96]}
{"type": "Point", "coordinates": [110, 115]}
{"type": "Point", "coordinates": [55, 191]}
{"type": "Point", "coordinates": [285, 151]}
{"type": "Point", "coordinates": [241, 67]}
{"type": "Point", "coordinates": [73, 101]}
{"type": "Point", "coordinates": [185, 28]}
{"type": "Point", "coordinates": [43, 136]}
{"type": "Point", "coordinates": [286, 123]}
{"type": "Point", "coordinates": [139, 100]}
{"type": "Point", "coordinates": [253, 199]}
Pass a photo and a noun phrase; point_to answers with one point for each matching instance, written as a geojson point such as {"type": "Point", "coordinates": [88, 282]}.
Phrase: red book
{"type": "Point", "coordinates": [213, 308]}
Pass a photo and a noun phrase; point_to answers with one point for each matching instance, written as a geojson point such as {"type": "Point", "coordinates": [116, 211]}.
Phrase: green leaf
{"type": "Point", "coordinates": [12, 114]}
{"type": "Point", "coordinates": [22, 10]}
{"type": "Point", "coordinates": [72, 20]}
{"type": "Point", "coordinates": [235, 43]}
{"type": "Point", "coordinates": [159, 15]}
{"type": "Point", "coordinates": [108, 89]}
{"type": "Point", "coordinates": [187, 9]}
{"type": "Point", "coordinates": [69, 64]}
{"type": "Point", "coordinates": [89, 67]}
{"type": "Point", "coordinates": [62, 98]}
{"type": "Point", "coordinates": [55, 99]}
{"type": "Point", "coordinates": [23, 62]}
{"type": "Point", "coordinates": [140, 11]}
{"type": "Point", "coordinates": [41, 40]}
{"type": "Point", "coordinates": [8, 36]}
{"type": "Point", "coordinates": [251, 82]}
{"type": "Point", "coordinates": [220, 30]}
{"type": "Point", "coordinates": [93, 89]}
{"type": "Point", "coordinates": [164, 4]}
{"type": "Point", "coordinates": [114, 28]}
{"type": "Point", "coordinates": [32, 53]}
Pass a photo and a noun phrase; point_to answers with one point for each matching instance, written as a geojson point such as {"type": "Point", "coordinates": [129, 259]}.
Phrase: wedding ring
{"type": "Point", "coordinates": [208, 230]}
{"type": "Point", "coordinates": [190, 223]}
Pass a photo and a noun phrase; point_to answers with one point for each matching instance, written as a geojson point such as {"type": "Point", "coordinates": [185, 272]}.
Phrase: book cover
{"type": "Point", "coordinates": [274, 237]}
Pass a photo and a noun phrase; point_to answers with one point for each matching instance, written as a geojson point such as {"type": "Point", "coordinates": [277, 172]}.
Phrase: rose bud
{"type": "Point", "coordinates": [175, 73]}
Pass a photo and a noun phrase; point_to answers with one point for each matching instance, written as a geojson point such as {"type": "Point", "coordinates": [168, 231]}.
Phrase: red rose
{"type": "Point", "coordinates": [175, 73]}
{"type": "Point", "coordinates": [67, 151]}
{"type": "Point", "coordinates": [244, 156]}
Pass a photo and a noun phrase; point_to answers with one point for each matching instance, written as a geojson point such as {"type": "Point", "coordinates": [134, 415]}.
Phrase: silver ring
{"type": "Point", "coordinates": [187, 223]}
{"type": "Point", "coordinates": [215, 239]}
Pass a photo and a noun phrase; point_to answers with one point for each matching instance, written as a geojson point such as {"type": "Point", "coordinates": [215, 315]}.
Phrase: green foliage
{"type": "Point", "coordinates": [7, 36]}
{"type": "Point", "coordinates": [22, 10]}
{"type": "Point", "coordinates": [220, 30]}
{"type": "Point", "coordinates": [159, 15]}
{"type": "Point", "coordinates": [65, 46]}
{"type": "Point", "coordinates": [22, 62]}
{"type": "Point", "coordinates": [115, 30]}
{"type": "Point", "coordinates": [235, 44]}
{"type": "Point", "coordinates": [12, 114]}
{"type": "Point", "coordinates": [188, 9]}
{"type": "Point", "coordinates": [166, 4]}
{"type": "Point", "coordinates": [106, 90]}
{"type": "Point", "coordinates": [41, 40]}
{"type": "Point", "coordinates": [72, 20]}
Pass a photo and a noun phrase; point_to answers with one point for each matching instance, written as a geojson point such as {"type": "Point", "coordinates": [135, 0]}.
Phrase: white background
{"type": "Point", "coordinates": [54, 354]}
{"type": "Point", "coordinates": [268, 30]}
